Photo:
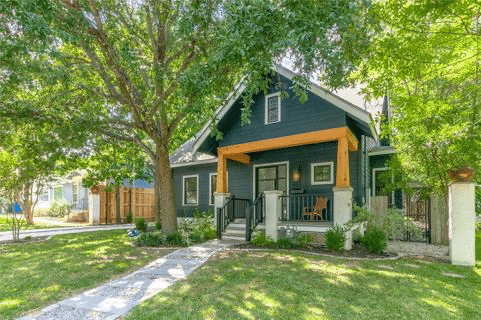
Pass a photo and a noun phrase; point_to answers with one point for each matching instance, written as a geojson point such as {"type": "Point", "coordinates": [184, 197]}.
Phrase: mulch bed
{"type": "Point", "coordinates": [357, 251]}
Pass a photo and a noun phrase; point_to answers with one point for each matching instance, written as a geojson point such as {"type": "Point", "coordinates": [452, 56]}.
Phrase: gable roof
{"type": "Point", "coordinates": [354, 111]}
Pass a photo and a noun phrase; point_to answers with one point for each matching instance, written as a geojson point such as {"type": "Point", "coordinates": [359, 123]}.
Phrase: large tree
{"type": "Point", "coordinates": [426, 57]}
{"type": "Point", "coordinates": [140, 71]}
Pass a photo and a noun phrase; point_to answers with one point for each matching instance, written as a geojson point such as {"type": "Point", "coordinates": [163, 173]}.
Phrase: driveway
{"type": "Point", "coordinates": [7, 235]}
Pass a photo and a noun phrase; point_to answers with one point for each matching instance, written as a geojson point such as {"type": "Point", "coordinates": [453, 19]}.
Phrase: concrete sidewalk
{"type": "Point", "coordinates": [7, 235]}
{"type": "Point", "coordinates": [116, 298]}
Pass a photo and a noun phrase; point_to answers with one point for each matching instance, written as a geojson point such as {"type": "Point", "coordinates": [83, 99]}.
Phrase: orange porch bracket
{"type": "Point", "coordinates": [346, 142]}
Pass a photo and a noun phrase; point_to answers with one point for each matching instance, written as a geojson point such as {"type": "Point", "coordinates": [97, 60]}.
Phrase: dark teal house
{"type": "Point", "coordinates": [313, 156]}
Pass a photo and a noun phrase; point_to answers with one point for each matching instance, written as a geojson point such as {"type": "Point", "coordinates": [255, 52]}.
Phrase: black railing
{"type": "Point", "coordinates": [255, 215]}
{"type": "Point", "coordinates": [232, 209]}
{"type": "Point", "coordinates": [307, 207]}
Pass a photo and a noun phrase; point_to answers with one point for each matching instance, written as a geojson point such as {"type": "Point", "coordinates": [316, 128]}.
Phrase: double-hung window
{"type": "Point", "coordinates": [191, 190]}
{"type": "Point", "coordinates": [322, 173]}
{"type": "Point", "coordinates": [273, 108]}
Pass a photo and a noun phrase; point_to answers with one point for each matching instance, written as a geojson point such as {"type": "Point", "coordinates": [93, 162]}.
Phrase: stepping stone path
{"type": "Point", "coordinates": [117, 297]}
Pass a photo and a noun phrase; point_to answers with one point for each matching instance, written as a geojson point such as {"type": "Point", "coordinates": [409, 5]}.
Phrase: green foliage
{"type": "Point", "coordinates": [141, 224]}
{"type": "Point", "coordinates": [335, 238]}
{"type": "Point", "coordinates": [393, 222]}
{"type": "Point", "coordinates": [284, 243]}
{"type": "Point", "coordinates": [129, 217]}
{"type": "Point", "coordinates": [374, 239]}
{"type": "Point", "coordinates": [177, 239]}
{"type": "Point", "coordinates": [262, 240]}
{"type": "Point", "coordinates": [158, 225]}
{"type": "Point", "coordinates": [149, 239]}
{"type": "Point", "coordinates": [478, 200]}
{"type": "Point", "coordinates": [303, 240]}
{"type": "Point", "coordinates": [59, 209]}
{"type": "Point", "coordinates": [200, 227]}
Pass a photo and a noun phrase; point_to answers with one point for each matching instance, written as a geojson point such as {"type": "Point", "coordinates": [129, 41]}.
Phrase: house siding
{"type": "Point", "coordinates": [313, 115]}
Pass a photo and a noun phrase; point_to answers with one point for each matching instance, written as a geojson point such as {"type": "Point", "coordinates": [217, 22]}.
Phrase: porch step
{"type": "Point", "coordinates": [235, 231]}
{"type": "Point", "coordinates": [234, 238]}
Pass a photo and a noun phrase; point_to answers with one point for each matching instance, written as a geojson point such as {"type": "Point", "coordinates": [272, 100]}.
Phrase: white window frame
{"type": "Point", "coordinates": [331, 179]}
{"type": "Point", "coordinates": [266, 118]}
{"type": "Point", "coordinates": [183, 190]}
{"type": "Point", "coordinates": [210, 186]}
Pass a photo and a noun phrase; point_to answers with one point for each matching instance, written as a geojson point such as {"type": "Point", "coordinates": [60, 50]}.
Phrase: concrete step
{"type": "Point", "coordinates": [235, 231]}
{"type": "Point", "coordinates": [240, 220]}
{"type": "Point", "coordinates": [233, 238]}
{"type": "Point", "coordinates": [236, 225]}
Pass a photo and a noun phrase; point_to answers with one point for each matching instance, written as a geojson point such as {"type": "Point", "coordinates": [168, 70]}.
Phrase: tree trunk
{"type": "Point", "coordinates": [117, 205]}
{"type": "Point", "coordinates": [27, 204]}
{"type": "Point", "coordinates": [163, 177]}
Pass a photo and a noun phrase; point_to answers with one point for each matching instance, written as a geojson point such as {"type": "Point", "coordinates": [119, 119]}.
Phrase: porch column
{"type": "Point", "coordinates": [273, 212]}
{"type": "Point", "coordinates": [462, 223]}
{"type": "Point", "coordinates": [219, 200]}
{"type": "Point", "coordinates": [343, 211]}
{"type": "Point", "coordinates": [94, 207]}
{"type": "Point", "coordinates": [342, 170]}
{"type": "Point", "coordinates": [221, 173]}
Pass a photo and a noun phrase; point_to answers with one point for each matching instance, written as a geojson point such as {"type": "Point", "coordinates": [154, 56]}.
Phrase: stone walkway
{"type": "Point", "coordinates": [405, 248]}
{"type": "Point", "coordinates": [35, 233]}
{"type": "Point", "coordinates": [116, 298]}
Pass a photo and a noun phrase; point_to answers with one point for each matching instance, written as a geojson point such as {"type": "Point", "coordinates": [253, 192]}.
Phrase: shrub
{"type": "Point", "coordinates": [59, 209]}
{"type": "Point", "coordinates": [140, 224]}
{"type": "Point", "coordinates": [210, 234]}
{"type": "Point", "coordinates": [199, 228]}
{"type": "Point", "coordinates": [284, 243]}
{"type": "Point", "coordinates": [158, 225]}
{"type": "Point", "coordinates": [374, 239]}
{"type": "Point", "coordinates": [129, 217]}
{"type": "Point", "coordinates": [261, 240]}
{"type": "Point", "coordinates": [303, 239]}
{"type": "Point", "coordinates": [149, 239]}
{"type": "Point", "coordinates": [177, 239]}
{"type": "Point", "coordinates": [335, 238]}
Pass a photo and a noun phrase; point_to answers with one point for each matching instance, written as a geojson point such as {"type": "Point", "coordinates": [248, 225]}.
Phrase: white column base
{"type": "Point", "coordinates": [343, 211]}
{"type": "Point", "coordinates": [273, 212]}
{"type": "Point", "coordinates": [94, 208]}
{"type": "Point", "coordinates": [462, 227]}
{"type": "Point", "coordinates": [219, 200]}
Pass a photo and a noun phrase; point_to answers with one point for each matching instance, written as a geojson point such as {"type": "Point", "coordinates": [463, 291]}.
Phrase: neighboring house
{"type": "Point", "coordinates": [315, 154]}
{"type": "Point", "coordinates": [66, 189]}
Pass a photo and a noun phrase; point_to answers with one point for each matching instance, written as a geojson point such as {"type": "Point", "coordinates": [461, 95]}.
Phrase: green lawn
{"type": "Point", "coordinates": [283, 285]}
{"type": "Point", "coordinates": [33, 275]}
{"type": "Point", "coordinates": [5, 227]}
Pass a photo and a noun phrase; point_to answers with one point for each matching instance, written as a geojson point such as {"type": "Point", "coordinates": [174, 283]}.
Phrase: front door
{"type": "Point", "coordinates": [271, 177]}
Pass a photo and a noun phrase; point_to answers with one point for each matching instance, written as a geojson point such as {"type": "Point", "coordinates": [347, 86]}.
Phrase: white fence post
{"type": "Point", "coordinates": [273, 212]}
{"type": "Point", "coordinates": [343, 211]}
{"type": "Point", "coordinates": [94, 208]}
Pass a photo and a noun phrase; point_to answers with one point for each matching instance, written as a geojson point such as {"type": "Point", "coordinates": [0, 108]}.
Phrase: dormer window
{"type": "Point", "coordinates": [273, 108]}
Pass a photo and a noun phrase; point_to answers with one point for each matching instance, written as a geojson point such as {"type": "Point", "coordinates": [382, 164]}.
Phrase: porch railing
{"type": "Point", "coordinates": [255, 215]}
{"type": "Point", "coordinates": [307, 207]}
{"type": "Point", "coordinates": [233, 208]}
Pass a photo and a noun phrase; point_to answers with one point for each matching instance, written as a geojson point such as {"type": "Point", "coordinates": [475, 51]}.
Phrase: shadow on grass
{"type": "Point", "coordinates": [281, 285]}
{"type": "Point", "coordinates": [36, 274]}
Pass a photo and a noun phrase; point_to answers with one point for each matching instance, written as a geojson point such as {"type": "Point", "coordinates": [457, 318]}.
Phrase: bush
{"type": "Point", "coordinates": [303, 239]}
{"type": "Point", "coordinates": [284, 243]}
{"type": "Point", "coordinates": [177, 239]}
{"type": "Point", "coordinates": [59, 209]}
{"type": "Point", "coordinates": [129, 217]}
{"type": "Point", "coordinates": [261, 240]}
{"type": "Point", "coordinates": [374, 239]}
{"type": "Point", "coordinates": [210, 234]}
{"type": "Point", "coordinates": [149, 239]}
{"type": "Point", "coordinates": [335, 238]}
{"type": "Point", "coordinates": [158, 225]}
{"type": "Point", "coordinates": [199, 228]}
{"type": "Point", "coordinates": [140, 224]}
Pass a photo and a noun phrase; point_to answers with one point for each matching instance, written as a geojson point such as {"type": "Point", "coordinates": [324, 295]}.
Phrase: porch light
{"type": "Point", "coordinates": [296, 175]}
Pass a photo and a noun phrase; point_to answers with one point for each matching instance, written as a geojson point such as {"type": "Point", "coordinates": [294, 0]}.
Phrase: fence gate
{"type": "Point", "coordinates": [419, 210]}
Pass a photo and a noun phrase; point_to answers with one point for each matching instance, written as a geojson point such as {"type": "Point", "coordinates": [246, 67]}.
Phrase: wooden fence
{"type": "Point", "coordinates": [140, 201]}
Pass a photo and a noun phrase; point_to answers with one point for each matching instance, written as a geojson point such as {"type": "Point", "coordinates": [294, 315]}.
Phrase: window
{"type": "Point", "coordinates": [191, 190]}
{"type": "Point", "coordinates": [75, 192]}
{"type": "Point", "coordinates": [273, 108]}
{"type": "Point", "coordinates": [43, 196]}
{"type": "Point", "coordinates": [322, 173]}
{"type": "Point", "coordinates": [57, 193]}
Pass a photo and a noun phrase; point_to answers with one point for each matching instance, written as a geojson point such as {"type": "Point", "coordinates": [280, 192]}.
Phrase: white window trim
{"type": "Point", "coordinates": [183, 190]}
{"type": "Point", "coordinates": [254, 167]}
{"type": "Point", "coordinates": [278, 94]}
{"type": "Point", "coordinates": [331, 179]}
{"type": "Point", "coordinates": [210, 185]}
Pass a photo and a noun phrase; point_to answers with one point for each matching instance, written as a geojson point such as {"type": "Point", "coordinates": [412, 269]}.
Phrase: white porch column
{"type": "Point", "coordinates": [219, 200]}
{"type": "Point", "coordinates": [94, 208]}
{"type": "Point", "coordinates": [343, 211]}
{"type": "Point", "coordinates": [273, 212]}
{"type": "Point", "coordinates": [462, 223]}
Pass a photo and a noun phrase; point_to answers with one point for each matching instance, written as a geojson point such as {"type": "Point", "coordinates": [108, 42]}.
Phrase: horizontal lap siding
{"type": "Point", "coordinates": [203, 171]}
{"type": "Point", "coordinates": [313, 115]}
